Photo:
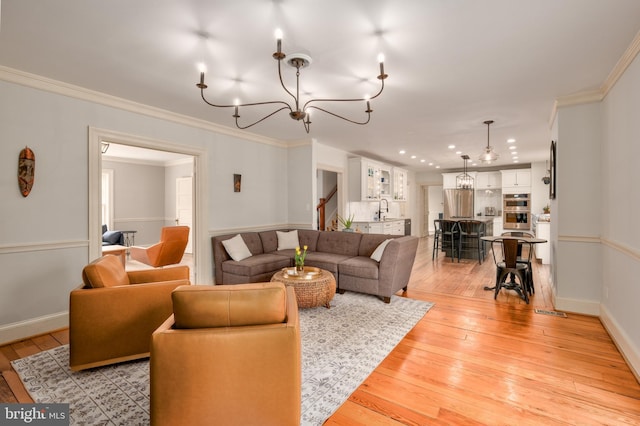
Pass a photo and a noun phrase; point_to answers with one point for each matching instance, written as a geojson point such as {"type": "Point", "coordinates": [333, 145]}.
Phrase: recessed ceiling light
{"type": "Point", "coordinates": [423, 160]}
{"type": "Point", "coordinates": [413, 157]}
{"type": "Point", "coordinates": [431, 164]}
{"type": "Point", "coordinates": [513, 147]}
{"type": "Point", "coordinates": [402, 152]}
{"type": "Point", "coordinates": [458, 152]}
{"type": "Point", "coordinates": [516, 161]}
{"type": "Point", "coordinates": [511, 140]}
{"type": "Point", "coordinates": [451, 146]}
{"type": "Point", "coordinates": [515, 158]}
{"type": "Point", "coordinates": [514, 152]}
{"type": "Point", "coordinates": [437, 167]}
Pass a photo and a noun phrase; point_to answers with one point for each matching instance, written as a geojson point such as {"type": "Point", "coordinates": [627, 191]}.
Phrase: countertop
{"type": "Point", "coordinates": [480, 218]}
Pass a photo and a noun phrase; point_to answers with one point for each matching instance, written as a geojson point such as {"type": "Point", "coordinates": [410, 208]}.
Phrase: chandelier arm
{"type": "Point", "coordinates": [310, 101]}
{"type": "Point", "coordinates": [282, 83]}
{"type": "Point", "coordinates": [341, 117]}
{"type": "Point", "coordinates": [263, 118]}
{"type": "Point", "coordinates": [244, 105]}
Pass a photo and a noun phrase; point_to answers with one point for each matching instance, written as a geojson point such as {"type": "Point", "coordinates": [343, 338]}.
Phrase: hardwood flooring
{"type": "Point", "coordinates": [473, 360]}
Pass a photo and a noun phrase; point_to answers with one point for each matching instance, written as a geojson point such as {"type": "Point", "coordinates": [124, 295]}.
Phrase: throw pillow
{"type": "Point", "coordinates": [377, 253]}
{"type": "Point", "coordinates": [287, 240]}
{"type": "Point", "coordinates": [236, 248]}
{"type": "Point", "coordinates": [112, 237]}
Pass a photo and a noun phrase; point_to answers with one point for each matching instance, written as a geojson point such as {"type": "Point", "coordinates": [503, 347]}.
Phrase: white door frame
{"type": "Point", "coordinates": [202, 269]}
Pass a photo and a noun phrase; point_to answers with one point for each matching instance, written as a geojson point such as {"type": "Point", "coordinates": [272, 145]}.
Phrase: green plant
{"type": "Point", "coordinates": [300, 256]}
{"type": "Point", "coordinates": [546, 209]}
{"type": "Point", "coordinates": [346, 222]}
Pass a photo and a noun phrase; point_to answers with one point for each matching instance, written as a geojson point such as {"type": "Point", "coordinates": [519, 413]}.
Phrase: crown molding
{"type": "Point", "coordinates": [599, 94]}
{"type": "Point", "coordinates": [58, 87]}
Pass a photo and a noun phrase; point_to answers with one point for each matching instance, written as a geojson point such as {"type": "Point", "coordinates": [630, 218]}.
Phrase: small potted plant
{"type": "Point", "coordinates": [299, 258]}
{"type": "Point", "coordinates": [546, 209]}
{"type": "Point", "coordinates": [346, 222]}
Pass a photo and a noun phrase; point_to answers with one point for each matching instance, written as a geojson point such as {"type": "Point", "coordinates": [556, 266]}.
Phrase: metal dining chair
{"type": "Point", "coordinates": [509, 266]}
{"type": "Point", "coordinates": [522, 259]}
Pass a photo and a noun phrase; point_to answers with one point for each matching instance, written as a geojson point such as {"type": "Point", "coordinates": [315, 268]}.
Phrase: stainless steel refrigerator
{"type": "Point", "coordinates": [458, 203]}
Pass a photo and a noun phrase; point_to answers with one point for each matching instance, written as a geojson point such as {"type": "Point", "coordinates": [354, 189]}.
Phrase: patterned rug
{"type": "Point", "coordinates": [341, 346]}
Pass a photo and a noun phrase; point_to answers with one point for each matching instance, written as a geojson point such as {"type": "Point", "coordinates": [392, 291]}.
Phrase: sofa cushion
{"type": "Point", "coordinates": [370, 242]}
{"type": "Point", "coordinates": [236, 248]}
{"type": "Point", "coordinates": [344, 243]}
{"type": "Point", "coordinates": [377, 253]}
{"type": "Point", "coordinates": [327, 261]}
{"type": "Point", "coordinates": [255, 265]}
{"type": "Point", "coordinates": [309, 238]}
{"type": "Point", "coordinates": [202, 306]}
{"type": "Point", "coordinates": [287, 240]}
{"type": "Point", "coordinates": [362, 267]}
{"type": "Point", "coordinates": [106, 271]}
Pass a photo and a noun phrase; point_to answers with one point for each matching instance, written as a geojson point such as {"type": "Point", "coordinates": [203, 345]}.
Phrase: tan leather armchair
{"type": "Point", "coordinates": [113, 313]}
{"type": "Point", "coordinates": [169, 251]}
{"type": "Point", "coordinates": [229, 355]}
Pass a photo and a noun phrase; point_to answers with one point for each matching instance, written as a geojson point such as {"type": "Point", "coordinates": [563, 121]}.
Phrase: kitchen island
{"type": "Point", "coordinates": [468, 242]}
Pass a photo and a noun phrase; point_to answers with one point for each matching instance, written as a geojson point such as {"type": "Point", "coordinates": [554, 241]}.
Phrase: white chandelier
{"type": "Point", "coordinates": [296, 112]}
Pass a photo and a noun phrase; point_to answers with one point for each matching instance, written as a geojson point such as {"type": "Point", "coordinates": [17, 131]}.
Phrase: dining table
{"type": "Point", "coordinates": [521, 239]}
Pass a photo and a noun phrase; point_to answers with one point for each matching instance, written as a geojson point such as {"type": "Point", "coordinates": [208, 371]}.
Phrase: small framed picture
{"type": "Point", "coordinates": [552, 168]}
{"type": "Point", "coordinates": [237, 183]}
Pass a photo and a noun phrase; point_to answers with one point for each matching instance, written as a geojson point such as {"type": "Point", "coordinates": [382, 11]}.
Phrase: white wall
{"type": "Point", "coordinates": [578, 271]}
{"type": "Point", "coordinates": [44, 239]}
{"type": "Point", "coordinates": [620, 206]}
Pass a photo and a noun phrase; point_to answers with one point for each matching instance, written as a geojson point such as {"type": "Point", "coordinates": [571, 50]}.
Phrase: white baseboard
{"type": "Point", "coordinates": [629, 351]}
{"type": "Point", "coordinates": [584, 307]}
{"type": "Point", "coordinates": [32, 327]}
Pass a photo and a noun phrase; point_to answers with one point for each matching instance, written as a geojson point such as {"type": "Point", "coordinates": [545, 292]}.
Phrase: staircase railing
{"type": "Point", "coordinates": [322, 206]}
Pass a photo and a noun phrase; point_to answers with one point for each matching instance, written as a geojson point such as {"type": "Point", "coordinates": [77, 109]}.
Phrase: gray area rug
{"type": "Point", "coordinates": [341, 346]}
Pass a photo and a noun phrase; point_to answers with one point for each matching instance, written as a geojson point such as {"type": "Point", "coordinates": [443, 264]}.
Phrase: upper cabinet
{"type": "Point", "coordinates": [385, 181]}
{"type": "Point", "coordinates": [365, 179]}
{"type": "Point", "coordinates": [516, 181]}
{"type": "Point", "coordinates": [450, 180]}
{"type": "Point", "coordinates": [399, 184]}
{"type": "Point", "coordinates": [489, 180]}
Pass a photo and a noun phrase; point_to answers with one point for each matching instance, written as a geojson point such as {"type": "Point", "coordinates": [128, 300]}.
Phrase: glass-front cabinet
{"type": "Point", "coordinates": [399, 184]}
{"type": "Point", "coordinates": [365, 179]}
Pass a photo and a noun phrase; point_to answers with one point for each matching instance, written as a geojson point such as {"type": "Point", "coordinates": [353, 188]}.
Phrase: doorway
{"type": "Point", "coordinates": [197, 159]}
{"type": "Point", "coordinates": [327, 179]}
{"type": "Point", "coordinates": [432, 208]}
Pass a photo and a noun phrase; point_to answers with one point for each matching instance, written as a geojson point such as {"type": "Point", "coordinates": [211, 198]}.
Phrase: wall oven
{"type": "Point", "coordinates": [516, 212]}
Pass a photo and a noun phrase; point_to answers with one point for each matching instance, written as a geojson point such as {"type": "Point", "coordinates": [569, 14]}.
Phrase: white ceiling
{"type": "Point", "coordinates": [452, 64]}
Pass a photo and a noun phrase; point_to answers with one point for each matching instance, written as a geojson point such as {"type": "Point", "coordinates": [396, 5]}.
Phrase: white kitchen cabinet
{"type": "Point", "coordinates": [449, 180]}
{"type": "Point", "coordinates": [399, 184]}
{"type": "Point", "coordinates": [488, 180]}
{"type": "Point", "coordinates": [390, 227]}
{"type": "Point", "coordinates": [543, 251]}
{"type": "Point", "coordinates": [497, 227]}
{"type": "Point", "coordinates": [385, 181]}
{"type": "Point", "coordinates": [364, 179]}
{"type": "Point", "coordinates": [516, 181]}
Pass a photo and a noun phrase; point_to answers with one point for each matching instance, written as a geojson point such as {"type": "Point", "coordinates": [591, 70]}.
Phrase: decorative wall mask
{"type": "Point", "coordinates": [237, 182]}
{"type": "Point", "coordinates": [26, 170]}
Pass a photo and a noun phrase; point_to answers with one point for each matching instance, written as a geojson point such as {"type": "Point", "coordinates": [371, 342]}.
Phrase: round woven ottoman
{"type": "Point", "coordinates": [313, 286]}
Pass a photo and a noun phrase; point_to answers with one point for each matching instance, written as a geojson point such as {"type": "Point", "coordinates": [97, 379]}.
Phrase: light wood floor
{"type": "Point", "coordinates": [474, 361]}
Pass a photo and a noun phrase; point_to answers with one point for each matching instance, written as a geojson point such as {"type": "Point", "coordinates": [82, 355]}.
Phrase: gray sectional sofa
{"type": "Point", "coordinates": [345, 254]}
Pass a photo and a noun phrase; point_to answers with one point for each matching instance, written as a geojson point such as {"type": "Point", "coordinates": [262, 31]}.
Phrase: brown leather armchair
{"type": "Point", "coordinates": [229, 355]}
{"type": "Point", "coordinates": [169, 251]}
{"type": "Point", "coordinates": [113, 313]}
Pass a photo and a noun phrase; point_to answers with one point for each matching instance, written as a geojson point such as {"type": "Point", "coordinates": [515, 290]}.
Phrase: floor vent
{"type": "Point", "coordinates": [552, 313]}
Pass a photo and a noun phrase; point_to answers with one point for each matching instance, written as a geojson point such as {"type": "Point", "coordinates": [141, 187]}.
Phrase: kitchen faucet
{"type": "Point", "coordinates": [380, 218]}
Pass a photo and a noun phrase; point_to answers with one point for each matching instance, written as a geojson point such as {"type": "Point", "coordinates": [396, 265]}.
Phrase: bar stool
{"type": "Point", "coordinates": [469, 239]}
{"type": "Point", "coordinates": [446, 236]}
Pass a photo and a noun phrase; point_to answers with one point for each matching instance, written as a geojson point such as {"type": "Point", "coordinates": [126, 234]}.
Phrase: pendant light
{"type": "Point", "coordinates": [488, 155]}
{"type": "Point", "coordinates": [464, 180]}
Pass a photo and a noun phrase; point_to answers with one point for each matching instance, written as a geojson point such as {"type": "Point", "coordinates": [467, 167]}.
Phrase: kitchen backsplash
{"type": "Point", "coordinates": [366, 211]}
